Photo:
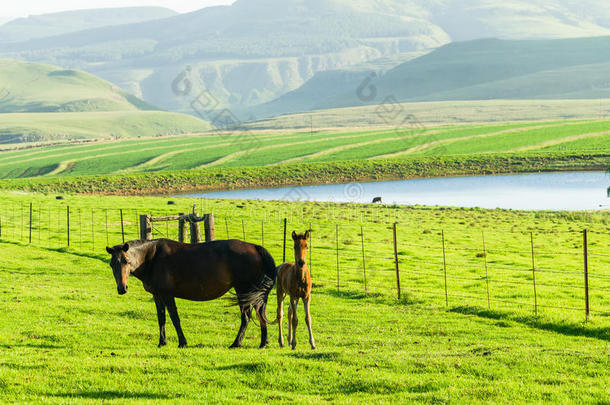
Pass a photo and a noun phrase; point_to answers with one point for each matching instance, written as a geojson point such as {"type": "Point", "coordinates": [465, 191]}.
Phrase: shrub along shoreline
{"type": "Point", "coordinates": [213, 179]}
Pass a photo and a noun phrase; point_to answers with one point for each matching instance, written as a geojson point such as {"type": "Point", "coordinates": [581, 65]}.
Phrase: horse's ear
{"type": "Point", "coordinates": [109, 250]}
{"type": "Point", "coordinates": [307, 234]}
{"type": "Point", "coordinates": [125, 247]}
{"type": "Point", "coordinates": [294, 235]}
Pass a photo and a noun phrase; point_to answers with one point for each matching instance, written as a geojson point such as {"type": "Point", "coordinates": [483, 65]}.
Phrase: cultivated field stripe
{"type": "Point", "coordinates": [235, 155]}
{"type": "Point", "coordinates": [340, 149]}
{"type": "Point", "coordinates": [433, 144]}
{"type": "Point", "coordinates": [559, 141]}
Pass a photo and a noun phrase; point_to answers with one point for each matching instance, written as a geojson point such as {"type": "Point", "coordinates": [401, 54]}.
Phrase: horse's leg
{"type": "Point", "coordinates": [306, 302]}
{"type": "Point", "coordinates": [290, 315]}
{"type": "Point", "coordinates": [170, 303]}
{"type": "Point", "coordinates": [161, 319]}
{"type": "Point", "coordinates": [295, 321]}
{"type": "Point", "coordinates": [280, 313]}
{"type": "Point", "coordinates": [261, 312]}
{"type": "Point", "coordinates": [246, 314]}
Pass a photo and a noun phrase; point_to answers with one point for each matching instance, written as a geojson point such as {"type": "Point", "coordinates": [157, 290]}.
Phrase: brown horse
{"type": "Point", "coordinates": [198, 272]}
{"type": "Point", "coordinates": [294, 279]}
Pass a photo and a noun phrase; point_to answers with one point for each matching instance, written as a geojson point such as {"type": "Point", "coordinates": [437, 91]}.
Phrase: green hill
{"type": "Point", "coordinates": [473, 70]}
{"type": "Point", "coordinates": [32, 88]}
{"type": "Point", "coordinates": [42, 103]}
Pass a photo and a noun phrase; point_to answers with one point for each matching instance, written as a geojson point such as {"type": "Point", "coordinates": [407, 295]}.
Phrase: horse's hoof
{"type": "Point", "coordinates": [182, 345]}
{"type": "Point", "coordinates": [313, 347]}
{"type": "Point", "coordinates": [234, 346]}
{"type": "Point", "coordinates": [161, 344]}
{"type": "Point", "coordinates": [262, 346]}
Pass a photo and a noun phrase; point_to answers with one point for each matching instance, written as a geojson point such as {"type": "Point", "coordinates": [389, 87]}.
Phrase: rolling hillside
{"type": "Point", "coordinates": [253, 52]}
{"type": "Point", "coordinates": [45, 103]}
{"type": "Point", "coordinates": [265, 149]}
{"type": "Point", "coordinates": [473, 70]}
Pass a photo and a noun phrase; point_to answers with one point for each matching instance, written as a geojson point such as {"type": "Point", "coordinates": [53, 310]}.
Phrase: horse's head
{"type": "Point", "coordinates": [300, 247]}
{"type": "Point", "coordinates": [122, 266]}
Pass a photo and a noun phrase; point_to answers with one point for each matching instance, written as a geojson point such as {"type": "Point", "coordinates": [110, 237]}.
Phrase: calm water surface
{"type": "Point", "coordinates": [540, 191]}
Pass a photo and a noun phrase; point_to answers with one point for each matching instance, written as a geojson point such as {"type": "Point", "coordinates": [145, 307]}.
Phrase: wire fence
{"type": "Point", "coordinates": [566, 273]}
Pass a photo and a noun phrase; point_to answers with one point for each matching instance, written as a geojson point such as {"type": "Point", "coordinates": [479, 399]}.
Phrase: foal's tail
{"type": "Point", "coordinates": [257, 296]}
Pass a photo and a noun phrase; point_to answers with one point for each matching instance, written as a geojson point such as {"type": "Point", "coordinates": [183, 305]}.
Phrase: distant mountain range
{"type": "Point", "coordinates": [576, 68]}
{"type": "Point", "coordinates": [46, 25]}
{"type": "Point", "coordinates": [252, 54]}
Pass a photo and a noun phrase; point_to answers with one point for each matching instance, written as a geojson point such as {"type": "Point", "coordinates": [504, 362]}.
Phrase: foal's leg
{"type": "Point", "coordinates": [246, 314]}
{"type": "Point", "coordinates": [261, 313]}
{"type": "Point", "coordinates": [161, 319]}
{"type": "Point", "coordinates": [170, 303]}
{"type": "Point", "coordinates": [280, 313]}
{"type": "Point", "coordinates": [295, 321]}
{"type": "Point", "coordinates": [306, 302]}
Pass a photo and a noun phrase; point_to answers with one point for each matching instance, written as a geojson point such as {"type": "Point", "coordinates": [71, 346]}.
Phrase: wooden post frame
{"type": "Point", "coordinates": [195, 232]}
{"type": "Point", "coordinates": [210, 231]}
{"type": "Point", "coordinates": [145, 227]}
{"type": "Point", "coordinates": [181, 229]}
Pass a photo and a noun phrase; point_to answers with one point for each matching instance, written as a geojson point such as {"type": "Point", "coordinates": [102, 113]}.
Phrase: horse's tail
{"type": "Point", "coordinates": [259, 293]}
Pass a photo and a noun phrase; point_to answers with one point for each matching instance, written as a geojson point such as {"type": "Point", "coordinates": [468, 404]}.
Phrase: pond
{"type": "Point", "coordinates": [568, 191]}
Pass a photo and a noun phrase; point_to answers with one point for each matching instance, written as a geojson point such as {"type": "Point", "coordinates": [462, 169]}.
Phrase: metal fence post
{"type": "Point", "coordinates": [363, 258]}
{"type": "Point", "coordinates": [284, 250]}
{"type": "Point", "coordinates": [445, 268]}
{"type": "Point", "coordinates": [534, 274]}
{"type": "Point", "coordinates": [30, 240]}
{"type": "Point", "coordinates": [396, 261]}
{"type": "Point", "coordinates": [122, 227]}
{"type": "Point", "coordinates": [586, 263]}
{"type": "Point", "coordinates": [337, 243]}
{"type": "Point", "coordinates": [486, 270]}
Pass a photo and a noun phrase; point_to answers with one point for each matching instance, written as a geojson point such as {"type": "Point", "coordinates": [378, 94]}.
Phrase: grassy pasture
{"type": "Point", "coordinates": [67, 337]}
{"type": "Point", "coordinates": [260, 149]}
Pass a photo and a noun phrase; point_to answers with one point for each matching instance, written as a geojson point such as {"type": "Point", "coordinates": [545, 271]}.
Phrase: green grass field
{"type": "Point", "coordinates": [261, 149]}
{"type": "Point", "coordinates": [66, 335]}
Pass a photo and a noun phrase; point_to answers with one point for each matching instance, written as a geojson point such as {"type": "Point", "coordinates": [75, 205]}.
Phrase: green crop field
{"type": "Point", "coordinates": [260, 149]}
{"type": "Point", "coordinates": [66, 336]}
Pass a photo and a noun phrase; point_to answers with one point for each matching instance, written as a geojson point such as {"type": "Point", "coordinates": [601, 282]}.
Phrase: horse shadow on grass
{"type": "Point", "coordinates": [568, 329]}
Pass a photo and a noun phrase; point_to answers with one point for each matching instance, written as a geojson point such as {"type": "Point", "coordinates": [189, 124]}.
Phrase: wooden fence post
{"type": "Point", "coordinates": [122, 227]}
{"type": "Point", "coordinates": [195, 228]}
{"type": "Point", "coordinates": [181, 229]}
{"type": "Point", "coordinates": [486, 270]}
{"type": "Point", "coordinates": [396, 261]}
{"type": "Point", "coordinates": [534, 274]}
{"type": "Point", "coordinates": [445, 268]}
{"type": "Point", "coordinates": [363, 259]}
{"type": "Point", "coordinates": [145, 227]}
{"type": "Point", "coordinates": [284, 251]}
{"type": "Point", "coordinates": [586, 263]}
{"type": "Point", "coordinates": [209, 229]}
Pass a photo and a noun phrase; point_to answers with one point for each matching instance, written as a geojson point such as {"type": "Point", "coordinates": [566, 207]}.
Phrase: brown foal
{"type": "Point", "coordinates": [294, 279]}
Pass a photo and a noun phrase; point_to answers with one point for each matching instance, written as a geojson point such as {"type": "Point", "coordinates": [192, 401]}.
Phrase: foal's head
{"type": "Point", "coordinates": [300, 247]}
{"type": "Point", "coordinates": [123, 264]}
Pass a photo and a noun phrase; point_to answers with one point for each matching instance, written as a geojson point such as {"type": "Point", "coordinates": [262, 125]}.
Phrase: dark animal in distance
{"type": "Point", "coordinates": [377, 200]}
{"type": "Point", "coordinates": [198, 272]}
{"type": "Point", "coordinates": [294, 280]}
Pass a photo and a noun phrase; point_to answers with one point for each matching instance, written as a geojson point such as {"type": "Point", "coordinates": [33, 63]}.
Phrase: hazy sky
{"type": "Point", "coordinates": [22, 8]}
